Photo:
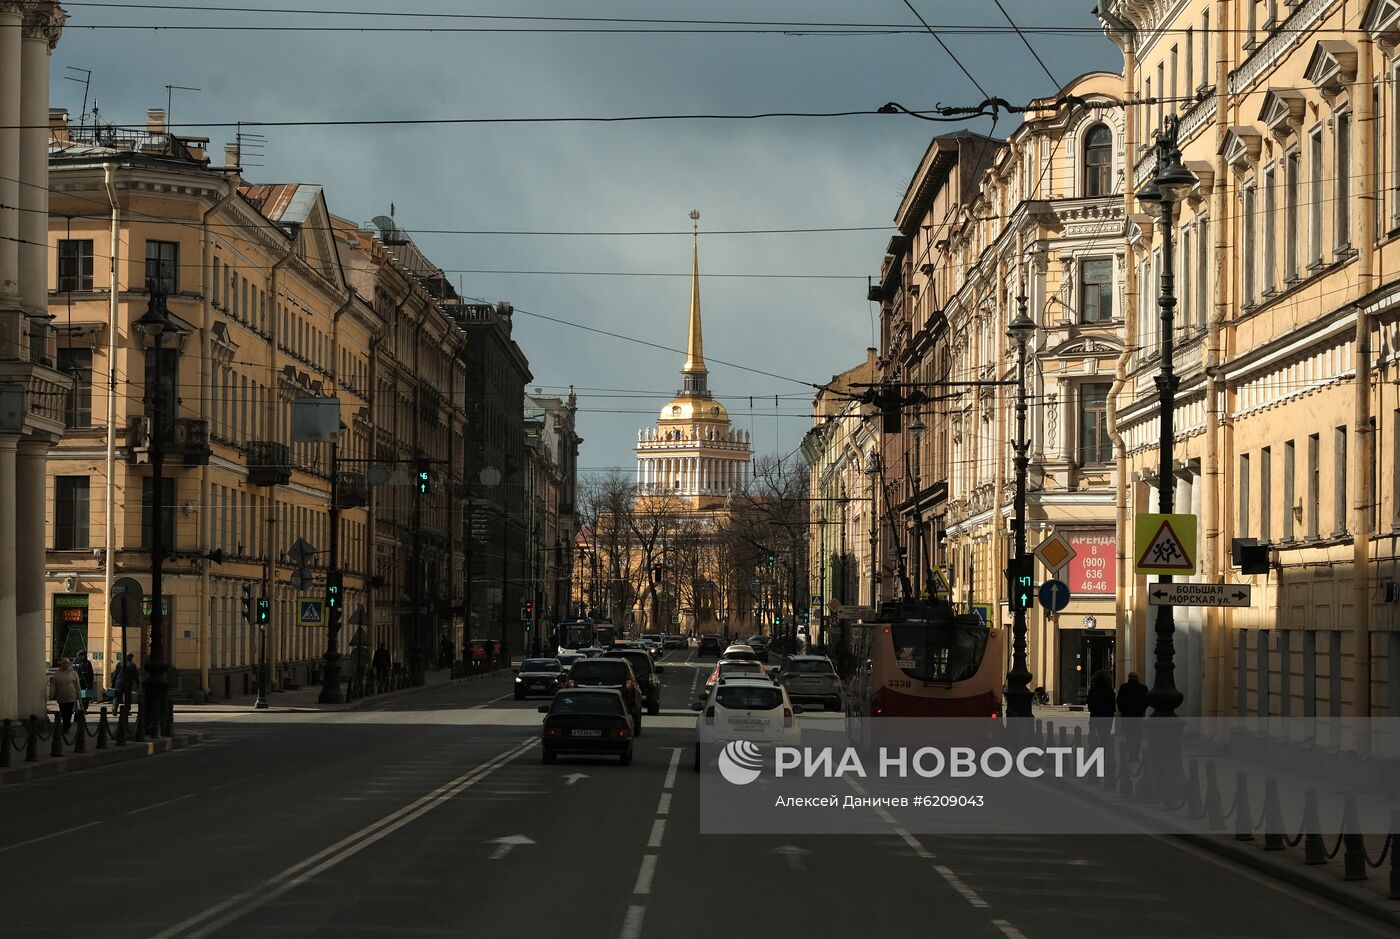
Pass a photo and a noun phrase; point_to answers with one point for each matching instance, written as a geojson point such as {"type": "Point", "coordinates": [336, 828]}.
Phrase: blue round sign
{"type": "Point", "coordinates": [1054, 595]}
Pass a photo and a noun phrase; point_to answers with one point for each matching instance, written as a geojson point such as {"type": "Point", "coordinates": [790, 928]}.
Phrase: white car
{"type": "Point", "coordinates": [746, 708]}
{"type": "Point", "coordinates": [740, 650]}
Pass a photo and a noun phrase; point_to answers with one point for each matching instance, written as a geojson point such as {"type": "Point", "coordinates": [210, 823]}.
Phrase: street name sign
{"type": "Point", "coordinates": [1198, 594]}
{"type": "Point", "coordinates": [1055, 552]}
{"type": "Point", "coordinates": [1164, 544]}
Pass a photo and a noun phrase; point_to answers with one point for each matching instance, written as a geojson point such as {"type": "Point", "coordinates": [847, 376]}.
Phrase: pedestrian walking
{"type": "Point", "coordinates": [125, 678]}
{"type": "Point", "coordinates": [87, 680]}
{"type": "Point", "coordinates": [1101, 707]}
{"type": "Point", "coordinates": [66, 688]}
{"type": "Point", "coordinates": [380, 664]}
{"type": "Point", "coordinates": [445, 652]}
{"type": "Point", "coordinates": [1132, 706]}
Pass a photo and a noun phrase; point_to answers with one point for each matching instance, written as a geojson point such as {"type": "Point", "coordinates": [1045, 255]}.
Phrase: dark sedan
{"type": "Point", "coordinates": [538, 676]}
{"type": "Point", "coordinates": [710, 645]}
{"type": "Point", "coordinates": [587, 720]}
{"type": "Point", "coordinates": [611, 673]}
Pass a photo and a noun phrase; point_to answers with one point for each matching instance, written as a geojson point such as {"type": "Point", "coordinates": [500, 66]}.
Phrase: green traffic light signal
{"type": "Point", "coordinates": [264, 610]}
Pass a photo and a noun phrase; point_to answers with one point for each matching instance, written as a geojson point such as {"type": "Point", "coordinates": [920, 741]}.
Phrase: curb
{"type": "Point", "coordinates": [132, 751]}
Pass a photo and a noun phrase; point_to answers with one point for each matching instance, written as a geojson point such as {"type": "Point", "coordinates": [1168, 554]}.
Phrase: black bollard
{"type": "Point", "coordinates": [167, 728]}
{"type": "Point", "coordinates": [1194, 808]}
{"type": "Point", "coordinates": [80, 732]}
{"type": "Point", "coordinates": [1244, 815]}
{"type": "Point", "coordinates": [1273, 816]}
{"type": "Point", "coordinates": [1395, 855]}
{"type": "Point", "coordinates": [140, 724]}
{"type": "Point", "coordinates": [103, 729]}
{"type": "Point", "coordinates": [1110, 770]}
{"type": "Point", "coordinates": [1314, 848]}
{"type": "Point", "coordinates": [1215, 812]}
{"type": "Point", "coordinates": [1125, 779]}
{"type": "Point", "coordinates": [56, 739]}
{"type": "Point", "coordinates": [1353, 842]}
{"type": "Point", "coordinates": [5, 743]}
{"type": "Point", "coordinates": [31, 745]}
{"type": "Point", "coordinates": [121, 724]}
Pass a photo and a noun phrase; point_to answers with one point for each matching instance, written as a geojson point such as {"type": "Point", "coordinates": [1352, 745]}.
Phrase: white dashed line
{"type": "Point", "coordinates": [478, 707]}
{"type": "Point", "coordinates": [671, 771]}
{"type": "Point", "coordinates": [147, 808]}
{"type": "Point", "coordinates": [914, 843]}
{"type": "Point", "coordinates": [52, 834]}
{"type": "Point", "coordinates": [644, 876]}
{"type": "Point", "coordinates": [963, 889]}
{"type": "Point", "coordinates": [664, 806]}
{"type": "Point", "coordinates": [632, 922]}
{"type": "Point", "coordinates": [658, 831]}
{"type": "Point", "coordinates": [1011, 932]}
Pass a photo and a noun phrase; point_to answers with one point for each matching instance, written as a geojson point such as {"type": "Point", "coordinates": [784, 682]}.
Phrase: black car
{"type": "Point", "coordinates": [673, 642]}
{"type": "Point", "coordinates": [538, 676]}
{"type": "Point", "coordinates": [611, 673]}
{"type": "Point", "coordinates": [647, 677]}
{"type": "Point", "coordinates": [710, 645]}
{"type": "Point", "coordinates": [760, 650]}
{"type": "Point", "coordinates": [587, 720]}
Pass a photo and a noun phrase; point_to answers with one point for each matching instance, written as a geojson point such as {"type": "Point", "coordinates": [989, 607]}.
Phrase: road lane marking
{"type": "Point", "coordinates": [235, 782]}
{"type": "Point", "coordinates": [236, 907]}
{"type": "Point", "coordinates": [664, 806]}
{"type": "Point", "coordinates": [505, 845]}
{"type": "Point", "coordinates": [1010, 931]}
{"type": "Point", "coordinates": [963, 889]}
{"type": "Point", "coordinates": [645, 874]}
{"type": "Point", "coordinates": [478, 707]}
{"type": "Point", "coordinates": [188, 795]}
{"type": "Point", "coordinates": [632, 922]}
{"type": "Point", "coordinates": [914, 843]}
{"type": "Point", "coordinates": [52, 834]}
{"type": "Point", "coordinates": [675, 766]}
{"type": "Point", "coordinates": [658, 831]}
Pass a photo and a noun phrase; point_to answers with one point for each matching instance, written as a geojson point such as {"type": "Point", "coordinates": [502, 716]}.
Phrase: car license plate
{"type": "Point", "coordinates": [586, 733]}
{"type": "Point", "coordinates": [536, 686]}
{"type": "Point", "coordinates": [748, 723]}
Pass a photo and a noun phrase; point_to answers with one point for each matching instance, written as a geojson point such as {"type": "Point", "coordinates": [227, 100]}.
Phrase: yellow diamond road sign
{"type": "Point", "coordinates": [1055, 552]}
{"type": "Point", "coordinates": [1164, 544]}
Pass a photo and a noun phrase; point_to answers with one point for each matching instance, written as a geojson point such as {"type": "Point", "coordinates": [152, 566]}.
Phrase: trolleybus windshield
{"type": "Point", "coordinates": [939, 652]}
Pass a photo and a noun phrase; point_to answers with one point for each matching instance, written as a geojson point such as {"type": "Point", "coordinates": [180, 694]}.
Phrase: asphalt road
{"type": "Point", "coordinates": [432, 815]}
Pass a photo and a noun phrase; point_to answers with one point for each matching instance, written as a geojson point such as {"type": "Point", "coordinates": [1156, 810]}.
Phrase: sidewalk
{"type": "Point", "coordinates": [48, 765]}
{"type": "Point", "coordinates": [307, 699]}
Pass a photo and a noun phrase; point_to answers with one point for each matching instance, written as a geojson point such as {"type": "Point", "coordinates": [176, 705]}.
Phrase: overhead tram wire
{"type": "Point", "coordinates": [1043, 67]}
{"type": "Point", "coordinates": [939, 39]}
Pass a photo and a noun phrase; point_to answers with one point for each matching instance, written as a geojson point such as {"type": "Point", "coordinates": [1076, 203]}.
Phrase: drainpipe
{"type": "Point", "coordinates": [270, 423]}
{"type": "Point", "coordinates": [1363, 466]}
{"type": "Point", "coordinates": [109, 559]}
{"type": "Point", "coordinates": [205, 384]}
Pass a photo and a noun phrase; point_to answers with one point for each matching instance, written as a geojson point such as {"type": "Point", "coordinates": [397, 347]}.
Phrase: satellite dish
{"type": "Point", "coordinates": [389, 233]}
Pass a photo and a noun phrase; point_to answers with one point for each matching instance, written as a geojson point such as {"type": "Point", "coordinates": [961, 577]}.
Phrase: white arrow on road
{"type": "Point", "coordinates": [794, 856]}
{"type": "Point", "coordinates": [507, 844]}
{"type": "Point", "coordinates": [574, 777]}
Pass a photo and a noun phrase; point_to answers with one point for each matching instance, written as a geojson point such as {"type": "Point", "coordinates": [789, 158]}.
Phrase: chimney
{"type": "Point", "coordinates": [58, 124]}
{"type": "Point", "coordinates": [155, 121]}
{"type": "Point", "coordinates": [230, 154]}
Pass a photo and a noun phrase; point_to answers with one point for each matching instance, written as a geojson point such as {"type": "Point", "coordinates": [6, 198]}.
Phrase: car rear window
{"type": "Point", "coordinates": [744, 653]}
{"type": "Point", "coordinates": [748, 698]}
{"type": "Point", "coordinates": [607, 669]}
{"type": "Point", "coordinates": [540, 665]}
{"type": "Point", "coordinates": [810, 667]}
{"type": "Point", "coordinates": [641, 661]}
{"type": "Point", "coordinates": [729, 668]}
{"type": "Point", "coordinates": [586, 704]}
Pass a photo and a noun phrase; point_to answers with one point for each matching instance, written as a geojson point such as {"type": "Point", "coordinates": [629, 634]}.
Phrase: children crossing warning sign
{"type": "Point", "coordinates": [1164, 544]}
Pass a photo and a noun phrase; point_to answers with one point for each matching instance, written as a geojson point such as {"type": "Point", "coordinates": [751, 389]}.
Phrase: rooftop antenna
{"type": "Point", "coordinates": [169, 98]}
{"type": "Point", "coordinates": [251, 143]}
{"type": "Point", "coordinates": [87, 84]}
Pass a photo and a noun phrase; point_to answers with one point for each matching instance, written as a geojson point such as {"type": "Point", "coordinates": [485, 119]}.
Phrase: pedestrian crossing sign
{"type": "Point", "coordinates": [309, 611]}
{"type": "Point", "coordinates": [1164, 544]}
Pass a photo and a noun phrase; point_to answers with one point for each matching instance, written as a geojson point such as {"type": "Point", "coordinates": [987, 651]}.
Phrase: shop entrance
{"type": "Point", "coordinates": [1082, 653]}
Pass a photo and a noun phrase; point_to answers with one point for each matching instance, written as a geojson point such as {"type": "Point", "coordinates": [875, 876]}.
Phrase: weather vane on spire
{"type": "Point", "coordinates": [695, 220]}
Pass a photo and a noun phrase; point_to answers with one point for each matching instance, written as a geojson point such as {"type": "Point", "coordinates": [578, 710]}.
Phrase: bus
{"type": "Point", "coordinates": [572, 635]}
{"type": "Point", "coordinates": [605, 635]}
{"type": "Point", "coordinates": [924, 659]}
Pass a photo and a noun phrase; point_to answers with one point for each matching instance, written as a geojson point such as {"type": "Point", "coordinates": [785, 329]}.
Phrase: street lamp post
{"type": "Point", "coordinates": [1168, 185]}
{"type": "Point", "coordinates": [821, 561]}
{"type": "Point", "coordinates": [1018, 679]}
{"type": "Point", "coordinates": [916, 428]}
{"type": "Point", "coordinates": [330, 672]}
{"type": "Point", "coordinates": [155, 323]}
{"type": "Point", "coordinates": [872, 473]}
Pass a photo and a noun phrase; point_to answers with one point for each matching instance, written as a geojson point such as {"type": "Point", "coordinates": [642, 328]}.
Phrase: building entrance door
{"type": "Point", "coordinates": [1082, 653]}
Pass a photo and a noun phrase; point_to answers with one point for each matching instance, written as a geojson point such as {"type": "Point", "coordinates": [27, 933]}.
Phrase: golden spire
{"type": "Point", "coordinates": [694, 350]}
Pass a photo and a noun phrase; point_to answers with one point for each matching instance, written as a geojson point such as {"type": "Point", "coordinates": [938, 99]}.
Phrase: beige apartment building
{"type": "Point", "coordinates": [1287, 414]}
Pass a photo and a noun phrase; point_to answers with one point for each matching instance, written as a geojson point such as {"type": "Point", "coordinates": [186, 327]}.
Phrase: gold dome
{"type": "Point", "coordinates": [685, 410]}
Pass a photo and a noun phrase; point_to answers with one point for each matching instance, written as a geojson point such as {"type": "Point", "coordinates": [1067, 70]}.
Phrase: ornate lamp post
{"type": "Point", "coordinates": [1159, 196]}
{"type": "Point", "coordinates": [821, 591]}
{"type": "Point", "coordinates": [155, 323]}
{"type": "Point", "coordinates": [916, 428]}
{"type": "Point", "coordinates": [1018, 680]}
{"type": "Point", "coordinates": [872, 473]}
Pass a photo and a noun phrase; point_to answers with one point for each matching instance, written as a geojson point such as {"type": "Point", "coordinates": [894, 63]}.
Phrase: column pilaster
{"type": "Point", "coordinates": [30, 653]}
{"type": "Point", "coordinates": [9, 632]}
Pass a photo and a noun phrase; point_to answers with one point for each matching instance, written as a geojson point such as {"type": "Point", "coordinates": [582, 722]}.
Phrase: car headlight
{"type": "Point", "coordinates": [518, 679]}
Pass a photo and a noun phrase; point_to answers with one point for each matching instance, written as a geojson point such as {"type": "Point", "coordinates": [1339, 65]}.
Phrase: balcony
{"type": "Point", "coordinates": [269, 463]}
{"type": "Point", "coordinates": [351, 491]}
{"type": "Point", "coordinates": [187, 442]}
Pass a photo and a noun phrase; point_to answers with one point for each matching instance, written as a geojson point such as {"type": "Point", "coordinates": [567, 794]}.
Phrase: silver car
{"type": "Point", "coordinates": [811, 678]}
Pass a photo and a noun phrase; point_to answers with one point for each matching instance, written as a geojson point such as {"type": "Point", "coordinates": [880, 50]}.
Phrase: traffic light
{"type": "Point", "coordinates": [527, 611]}
{"type": "Point", "coordinates": [424, 479]}
{"type": "Point", "coordinates": [1020, 583]}
{"type": "Point", "coordinates": [778, 620]}
{"type": "Point", "coordinates": [247, 604]}
{"type": "Point", "coordinates": [264, 610]}
{"type": "Point", "coordinates": [333, 584]}
{"type": "Point", "coordinates": [772, 560]}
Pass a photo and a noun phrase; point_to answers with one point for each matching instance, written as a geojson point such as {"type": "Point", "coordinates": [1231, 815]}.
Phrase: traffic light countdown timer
{"type": "Point", "coordinates": [1020, 583]}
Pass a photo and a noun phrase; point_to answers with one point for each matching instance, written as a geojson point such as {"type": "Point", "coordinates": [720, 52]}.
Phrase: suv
{"type": "Point", "coordinates": [612, 673]}
{"type": "Point", "coordinates": [746, 709]}
{"type": "Point", "coordinates": [760, 649]}
{"type": "Point", "coordinates": [710, 645]}
{"type": "Point", "coordinates": [646, 672]}
{"type": "Point", "coordinates": [811, 678]}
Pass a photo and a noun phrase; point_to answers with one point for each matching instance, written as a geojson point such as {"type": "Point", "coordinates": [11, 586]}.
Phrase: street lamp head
{"type": "Point", "coordinates": [1174, 180]}
{"type": "Point", "coordinates": [1022, 327]}
{"type": "Point", "coordinates": [1151, 198]}
{"type": "Point", "coordinates": [155, 320]}
{"type": "Point", "coordinates": [917, 424]}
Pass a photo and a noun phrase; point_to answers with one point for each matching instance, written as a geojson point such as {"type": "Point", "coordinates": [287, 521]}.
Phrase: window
{"type": "Point", "coordinates": [1161, 91]}
{"type": "Point", "coordinates": [1243, 487]}
{"type": "Point", "coordinates": [163, 379]}
{"type": "Point", "coordinates": [1205, 49]}
{"type": "Point", "coordinates": [1186, 262]}
{"type": "Point", "coordinates": [1202, 272]}
{"type": "Point", "coordinates": [1288, 467]}
{"type": "Point", "coordinates": [1342, 173]}
{"type": "Point", "coordinates": [1175, 57]}
{"type": "Point", "coordinates": [1094, 445]}
{"type": "Point", "coordinates": [167, 513]}
{"type": "Point", "coordinates": [163, 263]}
{"type": "Point", "coordinates": [1252, 25]}
{"type": "Point", "coordinates": [214, 281]}
{"type": "Point", "coordinates": [75, 265]}
{"type": "Point", "coordinates": [1190, 61]}
{"type": "Point", "coordinates": [77, 403]}
{"type": "Point", "coordinates": [1266, 493]}
{"type": "Point", "coordinates": [1315, 198]}
{"type": "Point", "coordinates": [1248, 249]}
{"type": "Point", "coordinates": [1145, 140]}
{"type": "Point", "coordinates": [1314, 484]}
{"type": "Point", "coordinates": [1096, 291]}
{"type": "Point", "coordinates": [1377, 156]}
{"type": "Point", "coordinates": [70, 513]}
{"type": "Point", "coordinates": [1270, 246]}
{"type": "Point", "coordinates": [1339, 480]}
{"type": "Point", "coordinates": [1291, 184]}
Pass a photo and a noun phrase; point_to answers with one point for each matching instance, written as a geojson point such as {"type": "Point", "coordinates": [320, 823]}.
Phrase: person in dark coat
{"type": "Point", "coordinates": [1101, 707]}
{"type": "Point", "coordinates": [87, 679]}
{"type": "Point", "coordinates": [1132, 705]}
{"type": "Point", "coordinates": [380, 664]}
{"type": "Point", "coordinates": [125, 681]}
{"type": "Point", "coordinates": [445, 653]}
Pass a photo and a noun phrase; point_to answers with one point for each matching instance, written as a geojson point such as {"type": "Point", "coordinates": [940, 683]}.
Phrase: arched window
{"type": "Point", "coordinates": [1098, 161]}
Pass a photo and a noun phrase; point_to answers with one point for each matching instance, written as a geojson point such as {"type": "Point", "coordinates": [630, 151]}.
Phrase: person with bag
{"type": "Point", "coordinates": [87, 680]}
{"type": "Point", "coordinates": [66, 686]}
{"type": "Point", "coordinates": [125, 680]}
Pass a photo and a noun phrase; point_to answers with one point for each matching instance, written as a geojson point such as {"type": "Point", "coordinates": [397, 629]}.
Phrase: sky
{"type": "Point", "coordinates": [779, 335]}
